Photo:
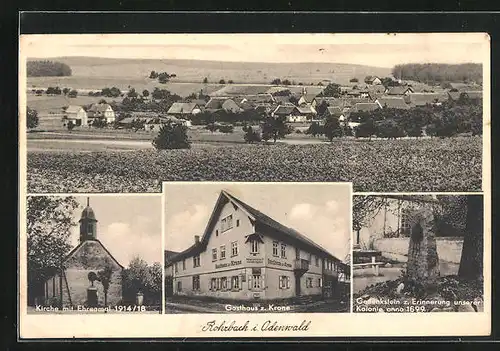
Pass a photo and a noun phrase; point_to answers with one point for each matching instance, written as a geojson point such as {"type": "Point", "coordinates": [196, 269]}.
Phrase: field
{"type": "Point", "coordinates": [53, 104]}
{"type": "Point", "coordinates": [130, 70]}
{"type": "Point", "coordinates": [452, 164]}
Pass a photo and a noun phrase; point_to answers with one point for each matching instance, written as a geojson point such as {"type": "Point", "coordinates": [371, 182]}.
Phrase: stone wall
{"type": "Point", "coordinates": [449, 249]}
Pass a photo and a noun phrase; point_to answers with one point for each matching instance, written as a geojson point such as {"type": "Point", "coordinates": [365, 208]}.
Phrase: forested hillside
{"type": "Point", "coordinates": [439, 72]}
{"type": "Point", "coordinates": [47, 69]}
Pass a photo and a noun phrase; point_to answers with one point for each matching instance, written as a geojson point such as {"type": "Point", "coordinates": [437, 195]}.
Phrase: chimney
{"type": "Point", "coordinates": [196, 239]}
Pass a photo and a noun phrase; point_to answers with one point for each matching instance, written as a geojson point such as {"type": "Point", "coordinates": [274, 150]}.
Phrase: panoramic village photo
{"type": "Point", "coordinates": [123, 113]}
{"type": "Point", "coordinates": [257, 247]}
{"type": "Point", "coordinates": [418, 253]}
{"type": "Point", "coordinates": [97, 254]}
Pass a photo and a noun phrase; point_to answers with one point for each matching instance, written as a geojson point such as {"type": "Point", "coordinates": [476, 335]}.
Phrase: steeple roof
{"type": "Point", "coordinates": [88, 212]}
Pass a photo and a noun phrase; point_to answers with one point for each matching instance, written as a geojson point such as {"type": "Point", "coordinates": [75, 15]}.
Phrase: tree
{"type": "Point", "coordinates": [276, 81]}
{"type": "Point", "coordinates": [66, 91]}
{"type": "Point", "coordinates": [132, 93]}
{"type": "Point", "coordinates": [230, 81]}
{"type": "Point", "coordinates": [145, 93]}
{"type": "Point", "coordinates": [366, 129]}
{"type": "Point", "coordinates": [389, 129]}
{"type": "Point", "coordinates": [315, 129]}
{"type": "Point", "coordinates": [222, 81]}
{"type": "Point", "coordinates": [70, 125]}
{"type": "Point", "coordinates": [226, 128]}
{"type": "Point", "coordinates": [368, 79]}
{"type": "Point", "coordinates": [471, 262]}
{"type": "Point", "coordinates": [31, 118]}
{"type": "Point", "coordinates": [140, 277]}
{"type": "Point", "coordinates": [49, 224]}
{"type": "Point", "coordinates": [172, 136]}
{"type": "Point", "coordinates": [163, 78]}
{"type": "Point", "coordinates": [332, 128]}
{"type": "Point", "coordinates": [354, 80]}
{"type": "Point", "coordinates": [73, 93]}
{"type": "Point", "coordinates": [104, 277]}
{"type": "Point", "coordinates": [205, 80]}
{"type": "Point", "coordinates": [251, 135]}
{"type": "Point", "coordinates": [99, 123]}
{"type": "Point", "coordinates": [321, 108]}
{"type": "Point", "coordinates": [331, 90]}
{"type": "Point", "coordinates": [275, 128]}
{"type": "Point", "coordinates": [153, 75]}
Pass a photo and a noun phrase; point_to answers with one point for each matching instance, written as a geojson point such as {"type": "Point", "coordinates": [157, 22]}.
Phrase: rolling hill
{"type": "Point", "coordinates": [196, 70]}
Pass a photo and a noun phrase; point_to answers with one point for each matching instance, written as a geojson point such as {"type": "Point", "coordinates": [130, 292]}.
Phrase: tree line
{"type": "Point", "coordinates": [47, 68]}
{"type": "Point", "coordinates": [439, 72]}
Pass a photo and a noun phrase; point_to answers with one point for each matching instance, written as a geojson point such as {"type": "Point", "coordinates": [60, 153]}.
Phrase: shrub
{"type": "Point", "coordinates": [222, 81]}
{"type": "Point", "coordinates": [172, 136]}
{"type": "Point", "coordinates": [31, 118]}
{"type": "Point", "coordinates": [226, 128]}
{"type": "Point", "coordinates": [251, 136]}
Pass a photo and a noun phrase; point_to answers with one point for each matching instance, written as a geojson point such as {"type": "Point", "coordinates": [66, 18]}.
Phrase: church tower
{"type": "Point", "coordinates": [88, 224]}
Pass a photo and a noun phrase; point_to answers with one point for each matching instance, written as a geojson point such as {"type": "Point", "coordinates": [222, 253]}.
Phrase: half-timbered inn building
{"type": "Point", "coordinates": [246, 255]}
{"type": "Point", "coordinates": [79, 280]}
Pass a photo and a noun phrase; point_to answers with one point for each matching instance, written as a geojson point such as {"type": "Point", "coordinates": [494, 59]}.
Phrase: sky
{"type": "Point", "coordinates": [321, 212]}
{"type": "Point", "coordinates": [128, 226]}
{"type": "Point", "coordinates": [382, 50]}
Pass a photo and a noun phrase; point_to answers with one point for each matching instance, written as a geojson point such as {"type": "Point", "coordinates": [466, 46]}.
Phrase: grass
{"type": "Point", "coordinates": [45, 104]}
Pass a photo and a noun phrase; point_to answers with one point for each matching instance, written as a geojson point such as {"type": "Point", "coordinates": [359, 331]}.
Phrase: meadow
{"type": "Point", "coordinates": [434, 165]}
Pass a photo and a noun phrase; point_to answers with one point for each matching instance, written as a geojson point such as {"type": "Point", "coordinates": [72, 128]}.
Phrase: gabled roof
{"type": "Point", "coordinates": [199, 102]}
{"type": "Point", "coordinates": [306, 109]}
{"type": "Point", "coordinates": [254, 215]}
{"type": "Point", "coordinates": [422, 99]}
{"type": "Point", "coordinates": [330, 101]}
{"type": "Point", "coordinates": [72, 252]}
{"type": "Point", "coordinates": [99, 107]}
{"type": "Point", "coordinates": [393, 102]}
{"type": "Point", "coordinates": [285, 109]}
{"type": "Point", "coordinates": [182, 107]}
{"type": "Point", "coordinates": [282, 99]}
{"type": "Point", "coordinates": [215, 103]}
{"type": "Point", "coordinates": [73, 109]}
{"type": "Point", "coordinates": [454, 95]}
{"type": "Point", "coordinates": [371, 79]}
{"type": "Point", "coordinates": [308, 97]}
{"type": "Point", "coordinates": [473, 94]}
{"type": "Point", "coordinates": [398, 90]}
{"type": "Point", "coordinates": [365, 107]}
{"type": "Point", "coordinates": [334, 110]}
{"type": "Point", "coordinates": [169, 255]}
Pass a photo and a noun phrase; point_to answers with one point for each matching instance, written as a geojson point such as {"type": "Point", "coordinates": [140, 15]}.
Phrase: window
{"type": "Point", "coordinates": [184, 264]}
{"type": "Point", "coordinates": [223, 252]}
{"type": "Point", "coordinates": [283, 251]}
{"type": "Point", "coordinates": [320, 282]}
{"type": "Point", "coordinates": [309, 283]}
{"type": "Point", "coordinates": [217, 284]}
{"type": "Point", "coordinates": [226, 223]}
{"type": "Point", "coordinates": [89, 228]}
{"type": "Point", "coordinates": [217, 232]}
{"type": "Point", "coordinates": [176, 268]}
{"type": "Point", "coordinates": [213, 284]}
{"type": "Point", "coordinates": [223, 283]}
{"type": "Point", "coordinates": [234, 248]}
{"type": "Point", "coordinates": [405, 222]}
{"type": "Point", "coordinates": [284, 282]}
{"type": "Point", "coordinates": [196, 282]}
{"type": "Point", "coordinates": [317, 261]}
{"type": "Point", "coordinates": [254, 248]}
{"type": "Point", "coordinates": [237, 222]}
{"type": "Point", "coordinates": [235, 282]}
{"type": "Point", "coordinates": [310, 258]}
{"type": "Point", "coordinates": [256, 278]}
{"type": "Point", "coordinates": [196, 261]}
{"type": "Point", "coordinates": [179, 286]}
{"type": "Point", "coordinates": [275, 249]}
{"type": "Point", "coordinates": [214, 254]}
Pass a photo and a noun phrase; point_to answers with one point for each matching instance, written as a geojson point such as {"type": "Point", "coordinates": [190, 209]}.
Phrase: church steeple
{"type": "Point", "coordinates": [88, 224]}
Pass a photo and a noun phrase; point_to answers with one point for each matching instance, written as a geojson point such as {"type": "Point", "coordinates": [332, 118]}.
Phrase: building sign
{"type": "Point", "coordinates": [278, 263]}
{"type": "Point", "coordinates": [255, 260]}
{"type": "Point", "coordinates": [228, 264]}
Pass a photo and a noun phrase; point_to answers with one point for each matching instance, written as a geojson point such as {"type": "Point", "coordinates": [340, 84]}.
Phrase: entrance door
{"type": "Point", "coordinates": [297, 286]}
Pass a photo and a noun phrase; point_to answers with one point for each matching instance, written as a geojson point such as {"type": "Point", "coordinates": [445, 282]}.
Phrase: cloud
{"type": "Point", "coordinates": [332, 206]}
{"type": "Point", "coordinates": [182, 226]}
{"type": "Point", "coordinates": [302, 211]}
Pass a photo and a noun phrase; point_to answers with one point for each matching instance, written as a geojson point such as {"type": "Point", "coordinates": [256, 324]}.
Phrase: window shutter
{"type": "Point", "coordinates": [263, 281]}
{"type": "Point", "coordinates": [250, 286]}
{"type": "Point", "coordinates": [281, 282]}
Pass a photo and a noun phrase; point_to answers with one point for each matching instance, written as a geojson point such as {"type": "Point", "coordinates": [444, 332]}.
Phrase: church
{"type": "Point", "coordinates": [89, 275]}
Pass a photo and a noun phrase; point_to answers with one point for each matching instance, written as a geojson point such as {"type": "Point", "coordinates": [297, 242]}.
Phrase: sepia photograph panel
{"type": "Point", "coordinates": [97, 254]}
{"type": "Point", "coordinates": [257, 248]}
{"type": "Point", "coordinates": [389, 113]}
{"type": "Point", "coordinates": [418, 253]}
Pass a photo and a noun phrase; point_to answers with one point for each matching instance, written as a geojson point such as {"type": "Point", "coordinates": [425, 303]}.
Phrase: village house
{"type": "Point", "coordinates": [246, 255]}
{"type": "Point", "coordinates": [101, 111]}
{"type": "Point", "coordinates": [374, 80]}
{"type": "Point", "coordinates": [398, 103]}
{"type": "Point", "coordinates": [285, 110]}
{"type": "Point", "coordinates": [399, 90]}
{"type": "Point", "coordinates": [184, 109]}
{"type": "Point", "coordinates": [364, 107]}
{"type": "Point", "coordinates": [71, 284]}
{"type": "Point", "coordinates": [423, 99]}
{"type": "Point", "coordinates": [358, 93]}
{"type": "Point", "coordinates": [75, 114]}
{"type": "Point", "coordinates": [474, 95]}
{"type": "Point", "coordinates": [307, 99]}
{"type": "Point", "coordinates": [222, 103]}
{"type": "Point", "coordinates": [334, 111]}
